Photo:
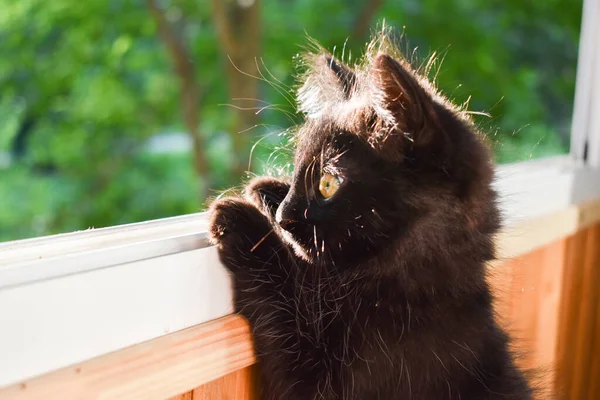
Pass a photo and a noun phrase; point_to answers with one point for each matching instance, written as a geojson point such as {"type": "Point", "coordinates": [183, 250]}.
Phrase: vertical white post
{"type": "Point", "coordinates": [593, 132]}
{"type": "Point", "coordinates": [587, 72]}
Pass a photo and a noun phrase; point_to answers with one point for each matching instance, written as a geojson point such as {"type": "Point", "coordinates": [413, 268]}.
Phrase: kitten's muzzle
{"type": "Point", "coordinates": [288, 215]}
{"type": "Point", "coordinates": [287, 224]}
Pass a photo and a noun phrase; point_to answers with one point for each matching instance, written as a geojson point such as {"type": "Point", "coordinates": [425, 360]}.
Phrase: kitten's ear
{"type": "Point", "coordinates": [403, 106]}
{"type": "Point", "coordinates": [345, 77]}
{"type": "Point", "coordinates": [327, 83]}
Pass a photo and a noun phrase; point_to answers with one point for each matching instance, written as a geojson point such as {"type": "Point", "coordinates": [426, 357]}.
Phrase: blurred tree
{"type": "Point", "coordinates": [364, 22]}
{"type": "Point", "coordinates": [188, 88]}
{"type": "Point", "coordinates": [238, 27]}
{"type": "Point", "coordinates": [86, 101]}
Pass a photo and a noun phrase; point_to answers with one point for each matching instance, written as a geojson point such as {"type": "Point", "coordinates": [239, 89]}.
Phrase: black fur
{"type": "Point", "coordinates": [378, 292]}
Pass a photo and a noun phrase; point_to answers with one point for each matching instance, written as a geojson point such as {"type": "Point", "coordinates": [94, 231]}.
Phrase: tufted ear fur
{"type": "Point", "coordinates": [404, 106]}
{"type": "Point", "coordinates": [327, 83]}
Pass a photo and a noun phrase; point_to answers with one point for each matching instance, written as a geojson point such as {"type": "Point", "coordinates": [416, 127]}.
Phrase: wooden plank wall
{"type": "Point", "coordinates": [238, 385]}
{"type": "Point", "coordinates": [578, 350]}
{"type": "Point", "coordinates": [548, 301]}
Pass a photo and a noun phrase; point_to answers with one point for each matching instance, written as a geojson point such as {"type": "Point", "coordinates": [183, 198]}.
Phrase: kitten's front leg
{"type": "Point", "coordinates": [245, 237]}
{"type": "Point", "coordinates": [258, 260]}
{"type": "Point", "coordinates": [243, 228]}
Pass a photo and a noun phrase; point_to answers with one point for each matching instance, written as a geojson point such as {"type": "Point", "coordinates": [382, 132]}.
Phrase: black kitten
{"type": "Point", "coordinates": [364, 276]}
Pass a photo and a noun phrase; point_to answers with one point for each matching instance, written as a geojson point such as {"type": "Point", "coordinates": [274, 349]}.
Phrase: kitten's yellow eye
{"type": "Point", "coordinates": [328, 185]}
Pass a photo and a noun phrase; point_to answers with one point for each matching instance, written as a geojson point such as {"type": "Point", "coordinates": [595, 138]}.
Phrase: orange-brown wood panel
{"type": "Point", "coordinates": [548, 301]}
{"type": "Point", "coordinates": [528, 293]}
{"type": "Point", "coordinates": [594, 387]}
{"type": "Point", "coordinates": [185, 396]}
{"type": "Point", "coordinates": [573, 279]}
{"type": "Point", "coordinates": [238, 385]}
{"type": "Point", "coordinates": [582, 344]}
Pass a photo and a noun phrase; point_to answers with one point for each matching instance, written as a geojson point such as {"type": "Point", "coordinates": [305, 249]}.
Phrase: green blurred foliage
{"type": "Point", "coordinates": [92, 81]}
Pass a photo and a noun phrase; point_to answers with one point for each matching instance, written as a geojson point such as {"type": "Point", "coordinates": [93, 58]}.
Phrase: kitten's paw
{"type": "Point", "coordinates": [266, 193]}
{"type": "Point", "coordinates": [235, 223]}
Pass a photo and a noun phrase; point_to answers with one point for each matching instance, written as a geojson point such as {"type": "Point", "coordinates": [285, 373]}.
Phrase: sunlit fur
{"type": "Point", "coordinates": [378, 292]}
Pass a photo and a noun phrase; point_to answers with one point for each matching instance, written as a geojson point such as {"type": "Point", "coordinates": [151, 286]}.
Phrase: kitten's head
{"type": "Point", "coordinates": [384, 163]}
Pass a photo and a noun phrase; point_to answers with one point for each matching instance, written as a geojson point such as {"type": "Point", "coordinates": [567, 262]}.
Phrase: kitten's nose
{"type": "Point", "coordinates": [287, 215]}
{"type": "Point", "coordinates": [286, 223]}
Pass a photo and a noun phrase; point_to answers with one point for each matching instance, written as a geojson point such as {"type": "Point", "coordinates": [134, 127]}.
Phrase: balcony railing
{"type": "Point", "coordinates": [143, 310]}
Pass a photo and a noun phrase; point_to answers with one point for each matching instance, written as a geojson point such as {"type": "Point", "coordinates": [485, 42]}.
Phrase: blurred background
{"type": "Point", "coordinates": [118, 111]}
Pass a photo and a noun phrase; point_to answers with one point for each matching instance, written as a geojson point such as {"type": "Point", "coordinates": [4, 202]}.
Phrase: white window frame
{"type": "Point", "coordinates": [585, 139]}
{"type": "Point", "coordinates": [71, 297]}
